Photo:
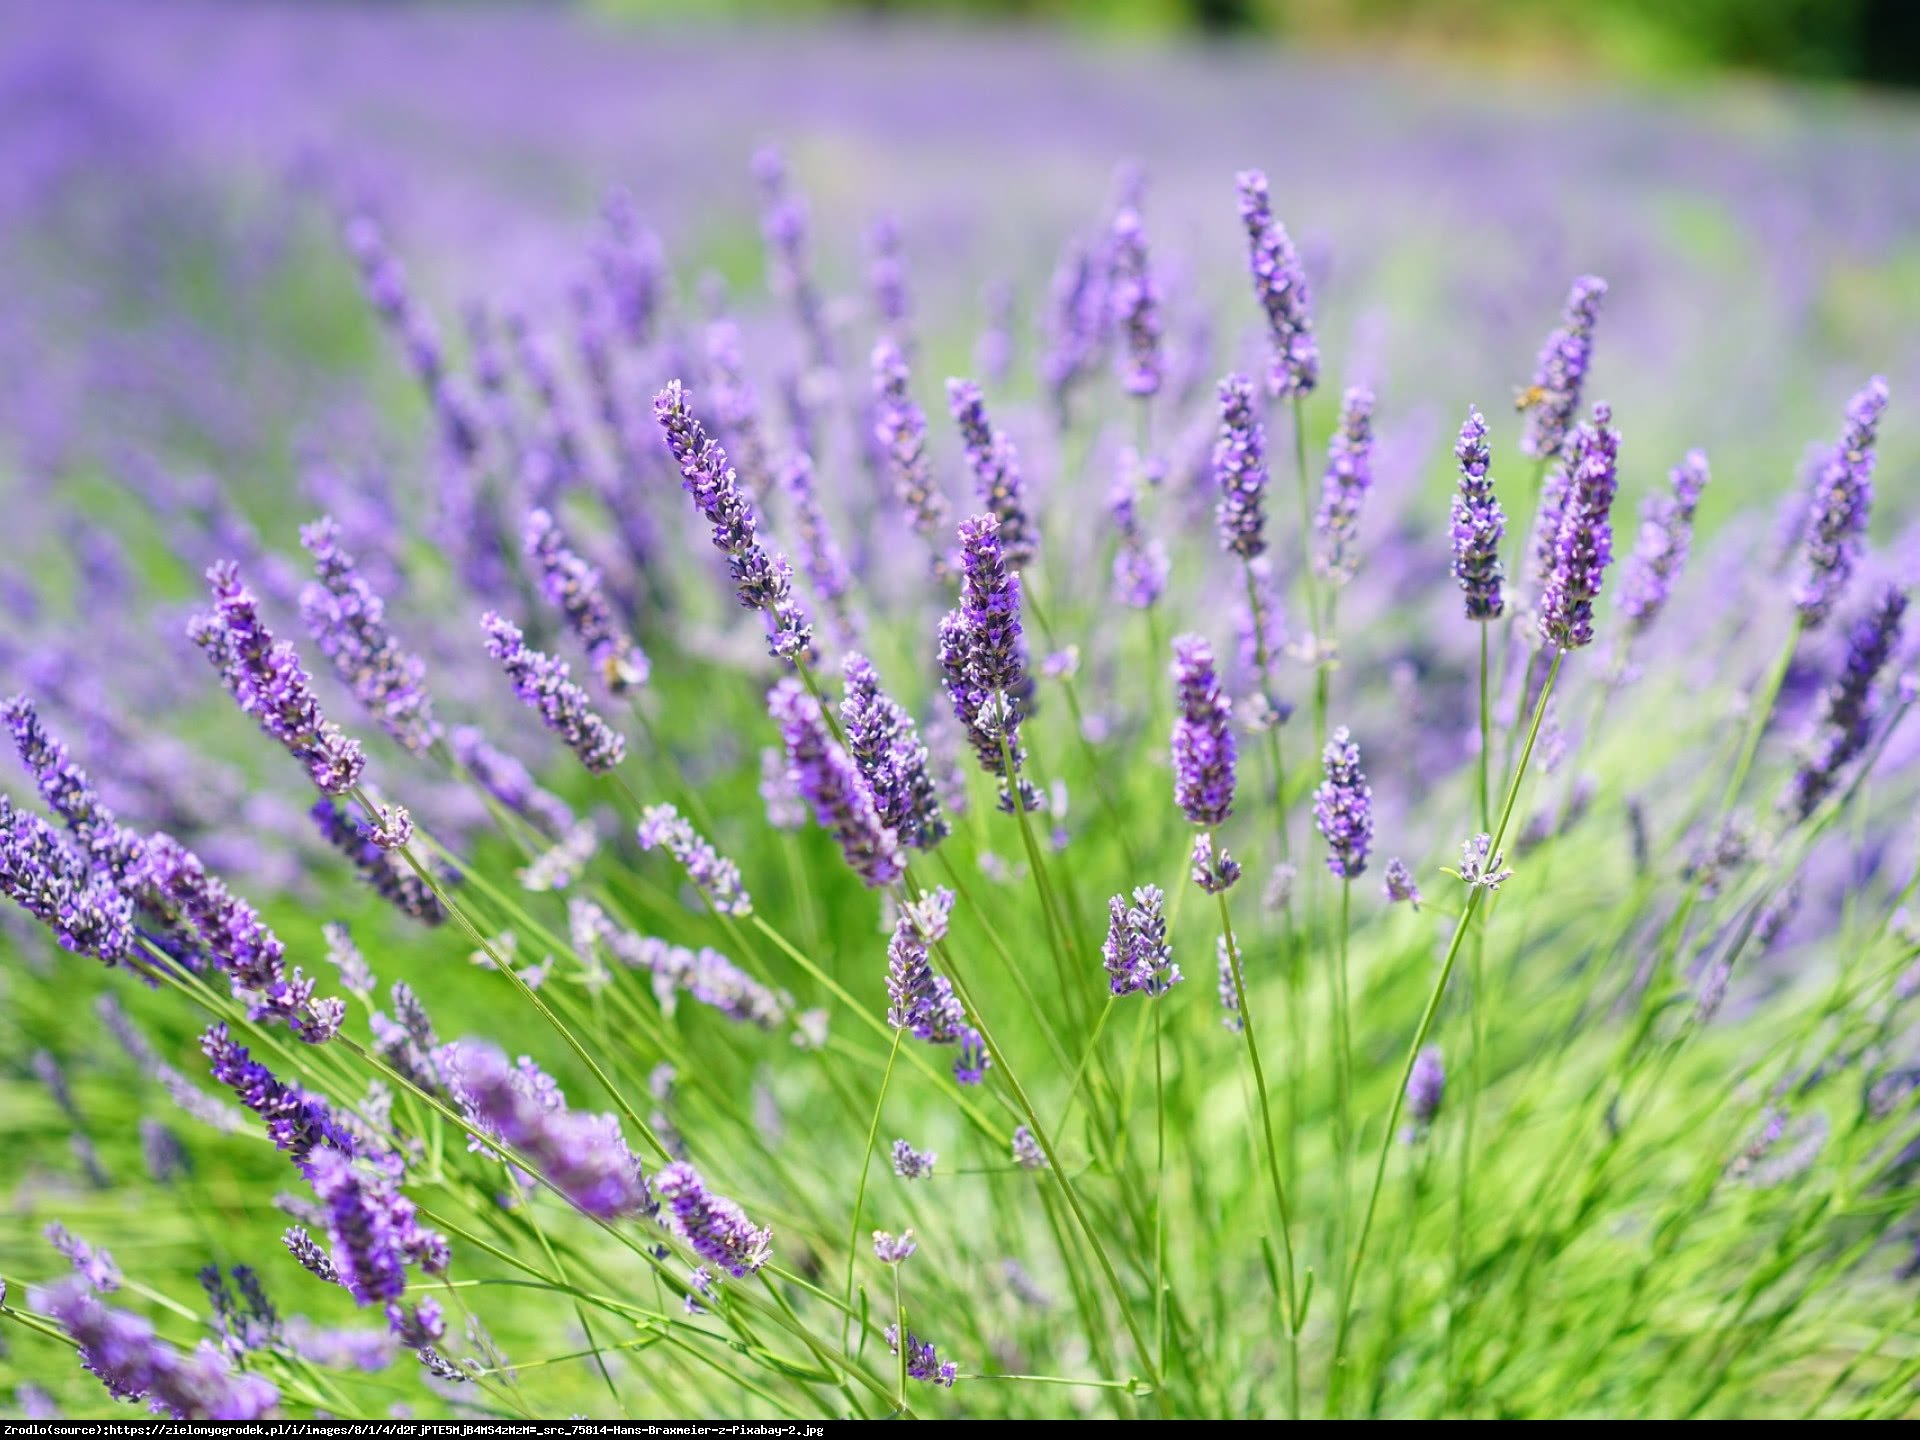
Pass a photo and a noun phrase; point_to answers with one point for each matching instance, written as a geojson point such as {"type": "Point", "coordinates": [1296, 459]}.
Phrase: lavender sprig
{"type": "Point", "coordinates": [1280, 287]}
{"type": "Point", "coordinates": [1554, 397]}
{"type": "Point", "coordinates": [983, 657]}
{"type": "Point", "coordinates": [996, 473]}
{"type": "Point", "coordinates": [348, 621]}
{"type": "Point", "coordinates": [1344, 488]}
{"type": "Point", "coordinates": [1842, 496]}
{"type": "Point", "coordinates": [1478, 524]}
{"type": "Point", "coordinates": [830, 781]}
{"type": "Point", "coordinates": [573, 587]}
{"type": "Point", "coordinates": [1240, 470]}
{"type": "Point", "coordinates": [543, 684]}
{"type": "Point", "coordinates": [1139, 959]}
{"type": "Point", "coordinates": [716, 1228]}
{"type": "Point", "coordinates": [1666, 530]}
{"type": "Point", "coordinates": [1848, 712]}
{"type": "Point", "coordinates": [1343, 807]}
{"type": "Point", "coordinates": [900, 427]}
{"type": "Point", "coordinates": [885, 744]}
{"type": "Point", "coordinates": [715, 876]}
{"type": "Point", "coordinates": [820, 557]}
{"type": "Point", "coordinates": [1583, 544]}
{"type": "Point", "coordinates": [1136, 306]}
{"type": "Point", "coordinates": [1204, 751]}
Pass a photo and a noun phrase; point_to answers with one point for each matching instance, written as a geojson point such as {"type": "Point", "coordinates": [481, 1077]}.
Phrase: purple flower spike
{"type": "Point", "coordinates": [1075, 324]}
{"type": "Point", "coordinates": [715, 876]}
{"type": "Point", "coordinates": [1478, 523]}
{"type": "Point", "coordinates": [884, 743]}
{"type": "Point", "coordinates": [1343, 807]}
{"type": "Point", "coordinates": [266, 679]}
{"type": "Point", "coordinates": [573, 587]}
{"type": "Point", "coordinates": [69, 793]}
{"type": "Point", "coordinates": [1399, 886]}
{"type": "Point", "coordinates": [1140, 565]}
{"type": "Point", "coordinates": [1138, 957]}
{"type": "Point", "coordinates": [392, 879]}
{"type": "Point", "coordinates": [367, 1234]}
{"type": "Point", "coordinates": [44, 876]}
{"type": "Point", "coordinates": [887, 271]}
{"type": "Point", "coordinates": [996, 473]}
{"type": "Point", "coordinates": [121, 1350]}
{"type": "Point", "coordinates": [1214, 871]}
{"type": "Point", "coordinates": [1240, 470]}
{"type": "Point", "coordinates": [1842, 496]}
{"type": "Point", "coordinates": [820, 558]}
{"type": "Point", "coordinates": [1344, 488]}
{"type": "Point", "coordinates": [762, 582]}
{"type": "Point", "coordinates": [1426, 1087]}
{"type": "Point", "coordinates": [1136, 306]}
{"type": "Point", "coordinates": [1204, 752]}
{"type": "Point", "coordinates": [1553, 399]}
{"type": "Point", "coordinates": [983, 656]}
{"type": "Point", "coordinates": [912, 1164]}
{"type": "Point", "coordinates": [716, 1228]}
{"type": "Point", "coordinates": [831, 782]}
{"type": "Point", "coordinates": [1583, 545]}
{"type": "Point", "coordinates": [584, 1157]}
{"type": "Point", "coordinates": [1666, 530]}
{"type": "Point", "coordinates": [543, 684]}
{"type": "Point", "coordinates": [508, 781]}
{"type": "Point", "coordinates": [900, 426]}
{"type": "Point", "coordinates": [1280, 286]}
{"type": "Point", "coordinates": [923, 1360]}
{"type": "Point", "coordinates": [348, 621]}
{"type": "Point", "coordinates": [297, 1123]}
{"type": "Point", "coordinates": [1848, 713]}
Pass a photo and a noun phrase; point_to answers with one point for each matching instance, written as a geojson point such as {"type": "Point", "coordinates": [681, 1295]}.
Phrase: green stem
{"type": "Point", "coordinates": [860, 1193]}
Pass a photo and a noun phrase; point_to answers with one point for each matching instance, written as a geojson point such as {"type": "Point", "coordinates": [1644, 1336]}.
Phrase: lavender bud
{"type": "Point", "coordinates": [983, 656]}
{"type": "Point", "coordinates": [912, 1164]}
{"type": "Point", "coordinates": [715, 876]}
{"type": "Point", "coordinates": [886, 746]}
{"type": "Point", "coordinates": [820, 558]}
{"type": "Point", "coordinates": [900, 427]}
{"type": "Point", "coordinates": [1400, 887]}
{"type": "Point", "coordinates": [1214, 872]}
{"type": "Point", "coordinates": [923, 1360]}
{"type": "Point", "coordinates": [1478, 524]}
{"type": "Point", "coordinates": [1554, 397]}
{"type": "Point", "coordinates": [1280, 287]}
{"type": "Point", "coordinates": [1138, 957]}
{"type": "Point", "coordinates": [716, 1228]}
{"type": "Point", "coordinates": [1344, 488]}
{"type": "Point", "coordinates": [1204, 750]}
{"type": "Point", "coordinates": [1027, 1153]}
{"type": "Point", "coordinates": [1666, 530]}
{"type": "Point", "coordinates": [1240, 470]}
{"type": "Point", "coordinates": [996, 473]}
{"type": "Point", "coordinates": [1343, 807]}
{"type": "Point", "coordinates": [392, 879]}
{"type": "Point", "coordinates": [1583, 544]}
{"type": "Point", "coordinates": [831, 782]}
{"type": "Point", "coordinates": [892, 1249]}
{"type": "Point", "coordinates": [1426, 1086]}
{"type": "Point", "coordinates": [1842, 495]}
{"type": "Point", "coordinates": [543, 684]}
{"type": "Point", "coordinates": [1848, 712]}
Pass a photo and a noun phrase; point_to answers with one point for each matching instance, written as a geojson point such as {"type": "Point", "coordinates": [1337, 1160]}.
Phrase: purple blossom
{"type": "Point", "coordinates": [716, 1228]}
{"type": "Point", "coordinates": [1344, 488]}
{"type": "Point", "coordinates": [584, 1157]}
{"type": "Point", "coordinates": [1075, 323]}
{"type": "Point", "coordinates": [830, 781]}
{"type": "Point", "coordinates": [348, 621]}
{"type": "Point", "coordinates": [891, 1249]}
{"type": "Point", "coordinates": [1240, 470]}
{"type": "Point", "coordinates": [1583, 544]}
{"type": "Point", "coordinates": [573, 587]}
{"type": "Point", "coordinates": [707, 975]}
{"type": "Point", "coordinates": [543, 684]}
{"type": "Point", "coordinates": [1666, 529]}
{"type": "Point", "coordinates": [122, 1351]}
{"type": "Point", "coordinates": [1204, 751]}
{"type": "Point", "coordinates": [820, 558]}
{"type": "Point", "coordinates": [50, 881]}
{"type": "Point", "coordinates": [1554, 397]}
{"type": "Point", "coordinates": [715, 876]}
{"type": "Point", "coordinates": [983, 657]}
{"type": "Point", "coordinates": [1140, 566]}
{"type": "Point", "coordinates": [1842, 495]}
{"type": "Point", "coordinates": [632, 267]}
{"type": "Point", "coordinates": [784, 224]}
{"type": "Point", "coordinates": [265, 677]}
{"type": "Point", "coordinates": [912, 1164]}
{"type": "Point", "coordinates": [373, 1228]}
{"type": "Point", "coordinates": [96, 1267]}
{"type": "Point", "coordinates": [1848, 711]}
{"type": "Point", "coordinates": [1478, 524]}
{"type": "Point", "coordinates": [923, 1360]}
{"type": "Point", "coordinates": [371, 848]}
{"type": "Point", "coordinates": [509, 783]}
{"type": "Point", "coordinates": [1213, 870]}
{"type": "Point", "coordinates": [887, 274]}
{"type": "Point", "coordinates": [1426, 1086]}
{"type": "Point", "coordinates": [996, 473]}
{"type": "Point", "coordinates": [1136, 305]}
{"type": "Point", "coordinates": [297, 1122]}
{"type": "Point", "coordinates": [1027, 1153]}
{"type": "Point", "coordinates": [69, 793]}
{"type": "Point", "coordinates": [885, 744]}
{"type": "Point", "coordinates": [736, 406]}
{"type": "Point", "coordinates": [762, 582]}
{"type": "Point", "coordinates": [1138, 957]}
{"type": "Point", "coordinates": [924, 1002]}
{"type": "Point", "coordinates": [1280, 287]}
{"type": "Point", "coordinates": [1399, 884]}
{"type": "Point", "coordinates": [1343, 807]}
{"type": "Point", "coordinates": [900, 427]}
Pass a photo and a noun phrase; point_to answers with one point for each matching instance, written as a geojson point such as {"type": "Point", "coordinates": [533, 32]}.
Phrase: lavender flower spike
{"type": "Point", "coordinates": [983, 657]}
{"type": "Point", "coordinates": [762, 582]}
{"type": "Point", "coordinates": [1426, 1086]}
{"type": "Point", "coordinates": [1204, 752]}
{"type": "Point", "coordinates": [1138, 957]}
{"type": "Point", "coordinates": [820, 558]}
{"type": "Point", "coordinates": [542, 683]}
{"type": "Point", "coordinates": [1240, 470]}
{"type": "Point", "coordinates": [831, 782]}
{"type": "Point", "coordinates": [1842, 495]}
{"type": "Point", "coordinates": [266, 678]}
{"type": "Point", "coordinates": [374, 1230]}
{"type": "Point", "coordinates": [1215, 872]}
{"type": "Point", "coordinates": [996, 473]}
{"type": "Point", "coordinates": [348, 621]}
{"type": "Point", "coordinates": [900, 426]}
{"type": "Point", "coordinates": [1136, 306]}
{"type": "Point", "coordinates": [133, 1363]}
{"type": "Point", "coordinates": [392, 879]}
{"type": "Point", "coordinates": [1343, 807]}
{"type": "Point", "coordinates": [69, 793]}
{"type": "Point", "coordinates": [923, 1360]}
{"type": "Point", "coordinates": [1478, 524]}
{"type": "Point", "coordinates": [885, 745]}
{"type": "Point", "coordinates": [716, 1228]}
{"type": "Point", "coordinates": [1344, 487]}
{"type": "Point", "coordinates": [1846, 718]}
{"type": "Point", "coordinates": [44, 876]}
{"type": "Point", "coordinates": [1554, 397]}
{"type": "Point", "coordinates": [715, 876]}
{"type": "Point", "coordinates": [573, 587]}
{"type": "Point", "coordinates": [912, 1164]}
{"type": "Point", "coordinates": [1400, 887]}
{"type": "Point", "coordinates": [1280, 285]}
{"type": "Point", "coordinates": [1583, 546]}
{"type": "Point", "coordinates": [1666, 528]}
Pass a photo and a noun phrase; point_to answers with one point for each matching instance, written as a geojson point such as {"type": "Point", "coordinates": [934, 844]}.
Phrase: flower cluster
{"type": "Point", "coordinates": [1582, 545]}
{"type": "Point", "coordinates": [1478, 524]}
{"type": "Point", "coordinates": [712, 874]}
{"type": "Point", "coordinates": [573, 587]}
{"type": "Point", "coordinates": [1343, 807]}
{"type": "Point", "coordinates": [886, 746]}
{"type": "Point", "coordinates": [1666, 530]}
{"type": "Point", "coordinates": [1842, 496]}
{"type": "Point", "coordinates": [1344, 488]}
{"type": "Point", "coordinates": [831, 782]}
{"type": "Point", "coordinates": [716, 1228]}
{"type": "Point", "coordinates": [1204, 751]}
{"type": "Point", "coordinates": [1136, 306]}
{"type": "Point", "coordinates": [544, 685]}
{"type": "Point", "coordinates": [1848, 712]}
{"type": "Point", "coordinates": [1280, 287]}
{"type": "Point", "coordinates": [1139, 959]}
{"type": "Point", "coordinates": [996, 474]}
{"type": "Point", "coordinates": [1554, 397]}
{"type": "Point", "coordinates": [1240, 470]}
{"type": "Point", "coordinates": [348, 621]}
{"type": "Point", "coordinates": [983, 658]}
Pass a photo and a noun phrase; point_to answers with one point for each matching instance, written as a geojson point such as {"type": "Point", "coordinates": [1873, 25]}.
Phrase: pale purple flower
{"type": "Point", "coordinates": [544, 685]}
{"type": "Point", "coordinates": [348, 621]}
{"type": "Point", "coordinates": [573, 587]}
{"type": "Point", "coordinates": [1666, 531]}
{"type": "Point", "coordinates": [1343, 807]}
{"type": "Point", "coordinates": [715, 876]}
{"type": "Point", "coordinates": [1136, 306]}
{"type": "Point", "coordinates": [1240, 470]}
{"type": "Point", "coordinates": [1139, 959]}
{"type": "Point", "coordinates": [716, 1228]}
{"type": "Point", "coordinates": [1478, 524]}
{"type": "Point", "coordinates": [1837, 519]}
{"type": "Point", "coordinates": [830, 781]}
{"type": "Point", "coordinates": [1583, 541]}
{"type": "Point", "coordinates": [1344, 488]}
{"type": "Point", "coordinates": [1280, 287]}
{"type": "Point", "coordinates": [1204, 750]}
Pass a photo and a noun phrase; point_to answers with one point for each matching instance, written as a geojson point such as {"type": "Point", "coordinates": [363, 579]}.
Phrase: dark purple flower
{"type": "Point", "coordinates": [1136, 305]}
{"type": "Point", "coordinates": [1343, 807]}
{"type": "Point", "coordinates": [43, 875]}
{"type": "Point", "coordinates": [1204, 752]}
{"type": "Point", "coordinates": [1554, 397]}
{"type": "Point", "coordinates": [69, 793]}
{"type": "Point", "coordinates": [1280, 287]}
{"type": "Point", "coordinates": [923, 1360]}
{"type": "Point", "coordinates": [1842, 495]}
{"type": "Point", "coordinates": [830, 781]}
{"type": "Point", "coordinates": [573, 587]}
{"type": "Point", "coordinates": [1583, 545]}
{"type": "Point", "coordinates": [1240, 470]}
{"type": "Point", "coordinates": [1666, 529]}
{"type": "Point", "coordinates": [1478, 524]}
{"type": "Point", "coordinates": [543, 684]}
{"type": "Point", "coordinates": [584, 1157]}
{"type": "Point", "coordinates": [716, 1228]}
{"type": "Point", "coordinates": [133, 1363]}
{"type": "Point", "coordinates": [762, 582]}
{"type": "Point", "coordinates": [1848, 712]}
{"type": "Point", "coordinates": [885, 744]}
{"type": "Point", "coordinates": [392, 879]}
{"type": "Point", "coordinates": [1344, 488]}
{"type": "Point", "coordinates": [983, 658]}
{"type": "Point", "coordinates": [1139, 959]}
{"type": "Point", "coordinates": [348, 621]}
{"type": "Point", "coordinates": [996, 473]}
{"type": "Point", "coordinates": [266, 679]}
{"type": "Point", "coordinates": [297, 1122]}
